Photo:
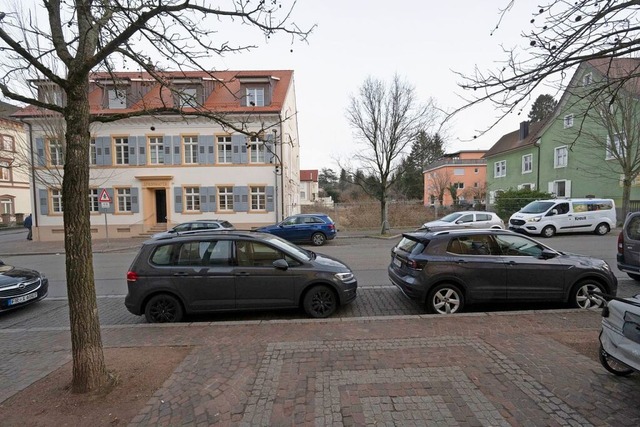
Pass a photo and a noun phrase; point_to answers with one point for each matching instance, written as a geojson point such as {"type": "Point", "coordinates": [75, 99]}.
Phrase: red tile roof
{"type": "Point", "coordinates": [225, 96]}
{"type": "Point", "coordinates": [512, 141]}
{"type": "Point", "coordinates": [309, 175]}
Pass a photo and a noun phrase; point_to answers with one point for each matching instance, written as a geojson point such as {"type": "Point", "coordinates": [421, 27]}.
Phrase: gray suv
{"type": "Point", "coordinates": [628, 257]}
{"type": "Point", "coordinates": [233, 270]}
{"type": "Point", "coordinates": [447, 270]}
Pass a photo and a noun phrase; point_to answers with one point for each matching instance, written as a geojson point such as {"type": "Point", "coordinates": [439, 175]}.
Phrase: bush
{"type": "Point", "coordinates": [511, 201]}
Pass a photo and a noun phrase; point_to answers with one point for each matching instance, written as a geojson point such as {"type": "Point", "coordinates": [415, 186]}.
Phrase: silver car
{"type": "Point", "coordinates": [465, 219]}
{"type": "Point", "coordinates": [196, 226]}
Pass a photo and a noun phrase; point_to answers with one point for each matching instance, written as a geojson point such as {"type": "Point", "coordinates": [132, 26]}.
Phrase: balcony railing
{"type": "Point", "coordinates": [442, 162]}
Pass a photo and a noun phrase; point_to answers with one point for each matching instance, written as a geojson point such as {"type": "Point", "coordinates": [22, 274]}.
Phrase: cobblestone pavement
{"type": "Point", "coordinates": [470, 369]}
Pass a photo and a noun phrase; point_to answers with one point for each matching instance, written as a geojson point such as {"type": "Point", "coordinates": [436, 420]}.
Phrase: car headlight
{"type": "Point", "coordinates": [344, 277]}
{"type": "Point", "coordinates": [535, 219]}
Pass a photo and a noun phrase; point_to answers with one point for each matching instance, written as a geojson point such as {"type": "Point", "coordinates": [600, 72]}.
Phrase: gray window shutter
{"type": "Point", "coordinates": [212, 199]}
{"type": "Point", "coordinates": [44, 201]}
{"type": "Point", "coordinates": [166, 145]}
{"type": "Point", "coordinates": [103, 145]}
{"type": "Point", "coordinates": [177, 195]}
{"type": "Point", "coordinates": [177, 158]}
{"type": "Point", "coordinates": [243, 154]}
{"type": "Point", "coordinates": [142, 150]}
{"type": "Point", "coordinates": [271, 149]}
{"type": "Point", "coordinates": [133, 150]}
{"type": "Point", "coordinates": [211, 154]}
{"type": "Point", "coordinates": [237, 142]}
{"type": "Point", "coordinates": [135, 206]}
{"type": "Point", "coordinates": [204, 143]}
{"type": "Point", "coordinates": [204, 206]}
{"type": "Point", "coordinates": [241, 199]}
{"type": "Point", "coordinates": [270, 201]}
{"type": "Point", "coordinates": [40, 151]}
{"type": "Point", "coordinates": [112, 205]}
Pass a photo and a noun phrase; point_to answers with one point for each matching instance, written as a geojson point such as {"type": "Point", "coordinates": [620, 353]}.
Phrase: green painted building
{"type": "Point", "coordinates": [584, 147]}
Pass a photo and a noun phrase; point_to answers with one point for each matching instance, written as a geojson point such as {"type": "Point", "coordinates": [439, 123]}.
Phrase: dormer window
{"type": "Point", "coordinates": [255, 97]}
{"type": "Point", "coordinates": [587, 79]}
{"type": "Point", "coordinates": [188, 97]}
{"type": "Point", "coordinates": [117, 98]}
{"type": "Point", "coordinates": [53, 95]}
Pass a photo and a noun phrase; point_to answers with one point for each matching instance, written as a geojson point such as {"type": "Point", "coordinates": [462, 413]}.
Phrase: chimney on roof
{"type": "Point", "coordinates": [524, 130]}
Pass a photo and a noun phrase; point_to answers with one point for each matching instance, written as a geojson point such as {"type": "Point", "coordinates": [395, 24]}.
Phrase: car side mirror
{"type": "Point", "coordinates": [281, 264]}
{"type": "Point", "coordinates": [459, 221]}
{"type": "Point", "coordinates": [548, 254]}
{"type": "Point", "coordinates": [553, 212]}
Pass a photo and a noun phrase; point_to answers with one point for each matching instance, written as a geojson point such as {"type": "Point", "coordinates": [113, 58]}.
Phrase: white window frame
{"type": "Point", "coordinates": [5, 175]}
{"type": "Point", "coordinates": [56, 201]}
{"type": "Point", "coordinates": [93, 153]}
{"type": "Point", "coordinates": [527, 163]}
{"type": "Point", "coordinates": [224, 149]}
{"type": "Point", "coordinates": [7, 205]}
{"type": "Point", "coordinates": [560, 160]}
{"type": "Point", "coordinates": [121, 150]}
{"type": "Point", "coordinates": [94, 202]}
{"type": "Point", "coordinates": [7, 143]}
{"type": "Point", "coordinates": [156, 150]}
{"type": "Point", "coordinates": [553, 188]}
{"type": "Point", "coordinates": [587, 79]}
{"type": "Point", "coordinates": [192, 199]}
{"type": "Point", "coordinates": [123, 196]}
{"type": "Point", "coordinates": [255, 95]}
{"type": "Point", "coordinates": [225, 198]}
{"type": "Point", "coordinates": [56, 156]}
{"type": "Point", "coordinates": [117, 98]}
{"type": "Point", "coordinates": [258, 150]}
{"type": "Point", "coordinates": [258, 195]}
{"type": "Point", "coordinates": [188, 97]}
{"type": "Point", "coordinates": [190, 149]}
{"type": "Point", "coordinates": [458, 185]}
{"type": "Point", "coordinates": [568, 121]}
{"type": "Point", "coordinates": [620, 143]}
{"type": "Point", "coordinates": [500, 169]}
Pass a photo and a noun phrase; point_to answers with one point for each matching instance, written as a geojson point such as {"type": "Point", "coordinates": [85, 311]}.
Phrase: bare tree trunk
{"type": "Point", "coordinates": [626, 197]}
{"type": "Point", "coordinates": [383, 215]}
{"type": "Point", "coordinates": [89, 370]}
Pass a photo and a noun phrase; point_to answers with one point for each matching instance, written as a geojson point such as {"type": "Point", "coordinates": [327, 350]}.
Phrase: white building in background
{"type": "Point", "coordinates": [15, 196]}
{"type": "Point", "coordinates": [308, 186]}
{"type": "Point", "coordinates": [158, 171]}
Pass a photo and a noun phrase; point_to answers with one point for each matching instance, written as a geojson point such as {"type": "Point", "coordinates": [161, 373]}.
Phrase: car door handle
{"type": "Point", "coordinates": [181, 273]}
{"type": "Point", "coordinates": [461, 261]}
{"type": "Point", "coordinates": [512, 263]}
{"type": "Point", "coordinates": [242, 273]}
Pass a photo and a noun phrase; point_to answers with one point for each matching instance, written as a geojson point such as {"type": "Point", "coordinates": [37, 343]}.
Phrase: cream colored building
{"type": "Point", "coordinates": [15, 197]}
{"type": "Point", "coordinates": [152, 172]}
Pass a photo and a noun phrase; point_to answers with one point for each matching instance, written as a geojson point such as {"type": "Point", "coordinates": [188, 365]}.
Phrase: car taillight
{"type": "Point", "coordinates": [132, 276]}
{"type": "Point", "coordinates": [332, 226]}
{"type": "Point", "coordinates": [620, 243]}
{"type": "Point", "coordinates": [415, 264]}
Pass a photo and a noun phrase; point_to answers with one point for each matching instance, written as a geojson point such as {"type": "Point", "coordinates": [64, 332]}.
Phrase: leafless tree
{"type": "Point", "coordinates": [84, 36]}
{"type": "Point", "coordinates": [437, 184]}
{"type": "Point", "coordinates": [560, 36]}
{"type": "Point", "coordinates": [385, 119]}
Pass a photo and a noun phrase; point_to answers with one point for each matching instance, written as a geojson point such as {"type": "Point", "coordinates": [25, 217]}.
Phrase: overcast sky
{"type": "Point", "coordinates": [422, 41]}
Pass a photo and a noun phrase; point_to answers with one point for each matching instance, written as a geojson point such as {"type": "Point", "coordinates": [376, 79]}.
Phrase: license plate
{"type": "Point", "coordinates": [397, 262]}
{"type": "Point", "coordinates": [23, 298]}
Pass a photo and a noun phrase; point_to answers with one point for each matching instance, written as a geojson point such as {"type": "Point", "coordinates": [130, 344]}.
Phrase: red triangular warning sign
{"type": "Point", "coordinates": [104, 196]}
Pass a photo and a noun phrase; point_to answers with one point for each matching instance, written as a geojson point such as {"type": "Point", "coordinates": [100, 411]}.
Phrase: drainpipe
{"type": "Point", "coordinates": [537, 143]}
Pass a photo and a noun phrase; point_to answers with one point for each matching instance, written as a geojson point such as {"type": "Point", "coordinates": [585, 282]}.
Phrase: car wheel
{"type": "Point", "coordinates": [163, 308]}
{"type": "Point", "coordinates": [602, 229]}
{"type": "Point", "coordinates": [445, 299]}
{"type": "Point", "coordinates": [634, 276]}
{"type": "Point", "coordinates": [613, 365]}
{"type": "Point", "coordinates": [548, 231]}
{"type": "Point", "coordinates": [320, 301]}
{"type": "Point", "coordinates": [318, 239]}
{"type": "Point", "coordinates": [581, 295]}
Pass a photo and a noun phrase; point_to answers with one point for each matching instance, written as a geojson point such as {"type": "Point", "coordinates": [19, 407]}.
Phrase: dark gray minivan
{"type": "Point", "coordinates": [628, 258]}
{"type": "Point", "coordinates": [233, 270]}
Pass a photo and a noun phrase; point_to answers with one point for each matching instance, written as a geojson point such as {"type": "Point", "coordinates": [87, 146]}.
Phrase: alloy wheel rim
{"type": "Point", "coordinates": [446, 301]}
{"type": "Point", "coordinates": [322, 302]}
{"type": "Point", "coordinates": [163, 311]}
{"type": "Point", "coordinates": [585, 300]}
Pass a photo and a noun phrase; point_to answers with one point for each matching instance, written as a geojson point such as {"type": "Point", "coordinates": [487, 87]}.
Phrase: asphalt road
{"type": "Point", "coordinates": [368, 257]}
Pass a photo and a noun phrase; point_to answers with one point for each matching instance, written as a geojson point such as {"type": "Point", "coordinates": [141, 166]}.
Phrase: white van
{"type": "Point", "coordinates": [548, 217]}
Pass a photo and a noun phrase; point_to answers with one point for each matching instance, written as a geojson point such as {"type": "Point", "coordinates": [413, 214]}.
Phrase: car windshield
{"type": "Point", "coordinates": [451, 217]}
{"type": "Point", "coordinates": [288, 247]}
{"type": "Point", "coordinates": [537, 207]}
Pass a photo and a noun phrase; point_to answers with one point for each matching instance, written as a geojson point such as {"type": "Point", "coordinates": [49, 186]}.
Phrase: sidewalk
{"type": "Point", "coordinates": [490, 369]}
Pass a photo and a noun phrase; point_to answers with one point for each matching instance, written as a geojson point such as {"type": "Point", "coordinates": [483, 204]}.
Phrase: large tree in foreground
{"type": "Point", "coordinates": [83, 36]}
{"type": "Point", "coordinates": [560, 35]}
{"type": "Point", "coordinates": [385, 119]}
